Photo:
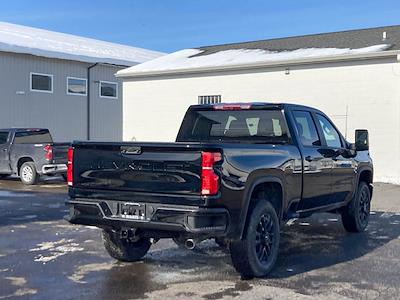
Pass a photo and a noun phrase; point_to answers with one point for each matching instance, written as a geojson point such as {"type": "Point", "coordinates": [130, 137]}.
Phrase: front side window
{"type": "Point", "coordinates": [3, 137]}
{"type": "Point", "coordinates": [33, 137]}
{"type": "Point", "coordinates": [76, 86]}
{"type": "Point", "coordinates": [41, 82]}
{"type": "Point", "coordinates": [259, 126]}
{"type": "Point", "coordinates": [108, 89]}
{"type": "Point", "coordinates": [331, 135]}
{"type": "Point", "coordinates": [306, 129]}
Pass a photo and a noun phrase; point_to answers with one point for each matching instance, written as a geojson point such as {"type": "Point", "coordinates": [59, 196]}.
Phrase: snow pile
{"type": "Point", "coordinates": [184, 59]}
{"type": "Point", "coordinates": [55, 250]}
{"type": "Point", "coordinates": [39, 42]}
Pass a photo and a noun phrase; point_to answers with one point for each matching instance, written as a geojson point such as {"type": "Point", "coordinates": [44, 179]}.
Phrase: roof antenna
{"type": "Point", "coordinates": [384, 36]}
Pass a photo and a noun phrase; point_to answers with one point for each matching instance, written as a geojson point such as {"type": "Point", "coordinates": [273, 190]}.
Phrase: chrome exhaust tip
{"type": "Point", "coordinates": [190, 244]}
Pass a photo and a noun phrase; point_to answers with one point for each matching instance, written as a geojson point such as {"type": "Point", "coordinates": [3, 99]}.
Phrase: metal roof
{"type": "Point", "coordinates": [351, 45]}
{"type": "Point", "coordinates": [39, 42]}
{"type": "Point", "coordinates": [352, 39]}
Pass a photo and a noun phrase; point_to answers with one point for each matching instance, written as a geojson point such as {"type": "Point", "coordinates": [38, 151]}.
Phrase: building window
{"type": "Point", "coordinates": [42, 82]}
{"type": "Point", "coordinates": [210, 99]}
{"type": "Point", "coordinates": [108, 89]}
{"type": "Point", "coordinates": [76, 86]}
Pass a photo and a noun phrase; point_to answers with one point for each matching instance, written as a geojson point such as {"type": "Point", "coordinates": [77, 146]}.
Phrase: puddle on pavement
{"type": "Point", "coordinates": [15, 194]}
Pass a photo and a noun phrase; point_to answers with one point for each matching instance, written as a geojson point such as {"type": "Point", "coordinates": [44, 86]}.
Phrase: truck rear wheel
{"type": "Point", "coordinates": [355, 215]}
{"type": "Point", "coordinates": [255, 255]}
{"type": "Point", "coordinates": [28, 173]}
{"type": "Point", "coordinates": [124, 249]}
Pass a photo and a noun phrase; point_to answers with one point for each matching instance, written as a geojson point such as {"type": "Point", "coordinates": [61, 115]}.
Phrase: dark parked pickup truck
{"type": "Point", "coordinates": [236, 173]}
{"type": "Point", "coordinates": [29, 153]}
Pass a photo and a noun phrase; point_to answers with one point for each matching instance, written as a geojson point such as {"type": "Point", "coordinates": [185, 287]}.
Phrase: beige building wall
{"type": "Point", "coordinates": [359, 94]}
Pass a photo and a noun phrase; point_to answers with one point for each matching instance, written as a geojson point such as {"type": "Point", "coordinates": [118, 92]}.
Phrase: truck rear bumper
{"type": "Point", "coordinates": [153, 216]}
{"type": "Point", "coordinates": [54, 169]}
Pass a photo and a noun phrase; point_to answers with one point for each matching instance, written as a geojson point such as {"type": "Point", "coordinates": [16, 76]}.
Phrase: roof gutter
{"type": "Point", "coordinates": [262, 65]}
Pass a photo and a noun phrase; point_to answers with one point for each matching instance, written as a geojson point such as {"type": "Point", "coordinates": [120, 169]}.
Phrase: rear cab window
{"type": "Point", "coordinates": [38, 136]}
{"type": "Point", "coordinates": [249, 125]}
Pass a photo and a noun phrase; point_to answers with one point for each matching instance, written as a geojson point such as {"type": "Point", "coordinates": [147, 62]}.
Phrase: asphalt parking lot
{"type": "Point", "coordinates": [43, 257]}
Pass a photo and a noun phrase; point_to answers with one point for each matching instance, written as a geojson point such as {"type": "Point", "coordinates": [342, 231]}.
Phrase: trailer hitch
{"type": "Point", "coordinates": [130, 234]}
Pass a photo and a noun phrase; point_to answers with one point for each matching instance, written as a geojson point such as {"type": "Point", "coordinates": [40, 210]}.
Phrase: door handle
{"type": "Point", "coordinates": [308, 158]}
{"type": "Point", "coordinates": [5, 150]}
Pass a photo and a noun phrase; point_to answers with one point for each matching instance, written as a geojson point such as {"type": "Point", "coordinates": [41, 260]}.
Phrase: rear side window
{"type": "Point", "coordinates": [33, 137]}
{"type": "Point", "coordinates": [3, 137]}
{"type": "Point", "coordinates": [234, 125]}
{"type": "Point", "coordinates": [306, 128]}
{"type": "Point", "coordinates": [332, 137]}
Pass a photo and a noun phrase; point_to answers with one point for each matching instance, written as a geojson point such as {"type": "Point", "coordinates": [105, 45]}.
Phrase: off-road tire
{"type": "Point", "coordinates": [245, 253]}
{"type": "Point", "coordinates": [124, 249]}
{"type": "Point", "coordinates": [355, 215]}
{"type": "Point", "coordinates": [28, 173]}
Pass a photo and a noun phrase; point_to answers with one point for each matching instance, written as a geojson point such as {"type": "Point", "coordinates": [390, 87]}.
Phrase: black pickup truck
{"type": "Point", "coordinates": [236, 173]}
{"type": "Point", "coordinates": [31, 152]}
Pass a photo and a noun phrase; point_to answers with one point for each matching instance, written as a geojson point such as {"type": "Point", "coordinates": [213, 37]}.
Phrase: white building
{"type": "Point", "coordinates": [353, 76]}
{"type": "Point", "coordinates": [63, 82]}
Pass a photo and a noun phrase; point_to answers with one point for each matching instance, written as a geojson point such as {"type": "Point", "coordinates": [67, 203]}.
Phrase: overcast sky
{"type": "Point", "coordinates": [169, 25]}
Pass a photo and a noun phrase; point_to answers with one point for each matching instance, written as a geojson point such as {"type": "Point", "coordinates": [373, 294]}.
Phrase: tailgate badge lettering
{"type": "Point", "coordinates": [129, 150]}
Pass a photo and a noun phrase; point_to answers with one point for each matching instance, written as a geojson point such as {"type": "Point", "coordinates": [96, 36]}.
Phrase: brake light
{"type": "Point", "coordinates": [70, 173]}
{"type": "Point", "coordinates": [209, 180]}
{"type": "Point", "coordinates": [49, 152]}
{"type": "Point", "coordinates": [231, 106]}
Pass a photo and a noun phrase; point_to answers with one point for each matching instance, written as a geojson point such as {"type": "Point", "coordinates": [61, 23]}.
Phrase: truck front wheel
{"type": "Point", "coordinates": [355, 215]}
{"type": "Point", "coordinates": [28, 173]}
{"type": "Point", "coordinates": [124, 249]}
{"type": "Point", "coordinates": [255, 255]}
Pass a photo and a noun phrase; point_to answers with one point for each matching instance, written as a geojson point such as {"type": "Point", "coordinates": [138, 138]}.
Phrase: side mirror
{"type": "Point", "coordinates": [362, 141]}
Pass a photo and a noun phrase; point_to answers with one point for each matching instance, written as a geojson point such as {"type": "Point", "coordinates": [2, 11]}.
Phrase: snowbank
{"type": "Point", "coordinates": [39, 42]}
{"type": "Point", "coordinates": [184, 59]}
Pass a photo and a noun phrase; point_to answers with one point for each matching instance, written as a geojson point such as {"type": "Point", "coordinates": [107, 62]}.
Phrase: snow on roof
{"type": "Point", "coordinates": [39, 42]}
{"type": "Point", "coordinates": [191, 58]}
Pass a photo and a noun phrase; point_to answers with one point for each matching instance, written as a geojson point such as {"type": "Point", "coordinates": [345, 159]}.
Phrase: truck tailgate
{"type": "Point", "coordinates": [60, 151]}
{"type": "Point", "coordinates": [167, 168]}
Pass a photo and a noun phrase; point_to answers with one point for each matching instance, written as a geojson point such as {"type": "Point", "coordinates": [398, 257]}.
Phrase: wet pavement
{"type": "Point", "coordinates": [43, 257]}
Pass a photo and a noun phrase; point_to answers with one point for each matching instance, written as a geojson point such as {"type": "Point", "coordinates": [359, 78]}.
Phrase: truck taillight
{"type": "Point", "coordinates": [70, 173]}
{"type": "Point", "coordinates": [209, 180]}
{"type": "Point", "coordinates": [48, 149]}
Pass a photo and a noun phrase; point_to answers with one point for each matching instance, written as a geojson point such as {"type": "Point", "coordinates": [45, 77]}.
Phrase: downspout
{"type": "Point", "coordinates": [88, 100]}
